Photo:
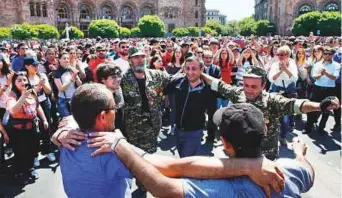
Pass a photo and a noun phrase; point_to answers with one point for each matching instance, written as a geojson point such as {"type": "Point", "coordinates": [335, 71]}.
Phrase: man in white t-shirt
{"type": "Point", "coordinates": [123, 53]}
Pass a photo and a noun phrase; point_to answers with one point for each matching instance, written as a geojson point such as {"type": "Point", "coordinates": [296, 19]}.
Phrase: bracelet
{"type": "Point", "coordinates": [59, 135]}
{"type": "Point", "coordinates": [112, 147]}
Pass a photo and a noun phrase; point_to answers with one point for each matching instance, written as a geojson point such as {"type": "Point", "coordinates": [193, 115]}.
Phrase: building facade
{"type": "Point", "coordinates": [176, 13]}
{"type": "Point", "coordinates": [282, 13]}
{"type": "Point", "coordinates": [213, 14]}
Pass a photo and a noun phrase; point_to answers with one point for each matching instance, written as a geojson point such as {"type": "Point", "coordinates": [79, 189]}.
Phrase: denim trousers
{"type": "Point", "coordinates": [189, 142]}
{"type": "Point", "coordinates": [63, 107]}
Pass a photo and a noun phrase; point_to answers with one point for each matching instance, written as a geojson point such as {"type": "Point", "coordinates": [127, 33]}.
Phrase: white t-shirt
{"type": "Point", "coordinates": [123, 64]}
{"type": "Point", "coordinates": [275, 68]}
{"type": "Point", "coordinates": [4, 96]}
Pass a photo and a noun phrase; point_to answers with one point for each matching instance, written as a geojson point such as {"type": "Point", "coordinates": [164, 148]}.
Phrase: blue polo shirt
{"type": "Point", "coordinates": [297, 181]}
{"type": "Point", "coordinates": [332, 68]}
{"type": "Point", "coordinates": [85, 176]}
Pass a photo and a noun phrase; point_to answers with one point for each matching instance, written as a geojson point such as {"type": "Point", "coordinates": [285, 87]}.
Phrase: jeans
{"type": "Point", "coordinates": [63, 107]}
{"type": "Point", "coordinates": [221, 103]}
{"type": "Point", "coordinates": [46, 135]}
{"type": "Point", "coordinates": [285, 120]}
{"type": "Point", "coordinates": [189, 142]}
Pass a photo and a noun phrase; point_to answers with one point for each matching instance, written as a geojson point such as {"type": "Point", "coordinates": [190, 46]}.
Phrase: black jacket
{"type": "Point", "coordinates": [191, 104]}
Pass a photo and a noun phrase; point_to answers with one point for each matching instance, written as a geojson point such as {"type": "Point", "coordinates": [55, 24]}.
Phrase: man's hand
{"type": "Point", "coordinates": [104, 141]}
{"type": "Point", "coordinates": [299, 147]}
{"type": "Point", "coordinates": [329, 103]}
{"type": "Point", "coordinates": [70, 139]}
{"type": "Point", "coordinates": [265, 173]}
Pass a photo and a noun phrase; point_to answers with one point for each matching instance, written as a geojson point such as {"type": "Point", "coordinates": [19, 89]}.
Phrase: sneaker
{"type": "Point", "coordinates": [36, 162]}
{"type": "Point", "coordinates": [51, 157]}
{"type": "Point", "coordinates": [34, 173]}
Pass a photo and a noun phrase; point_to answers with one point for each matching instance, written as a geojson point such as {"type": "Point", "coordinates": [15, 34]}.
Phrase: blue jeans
{"type": "Point", "coordinates": [221, 103]}
{"type": "Point", "coordinates": [189, 142]}
{"type": "Point", "coordinates": [63, 106]}
{"type": "Point", "coordinates": [285, 120]}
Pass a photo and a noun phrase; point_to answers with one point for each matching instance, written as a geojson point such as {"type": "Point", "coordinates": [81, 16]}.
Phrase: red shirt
{"type": "Point", "coordinates": [167, 58]}
{"type": "Point", "coordinates": [93, 65]}
{"type": "Point", "coordinates": [226, 72]}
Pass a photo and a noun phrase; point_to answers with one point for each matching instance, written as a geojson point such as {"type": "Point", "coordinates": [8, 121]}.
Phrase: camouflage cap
{"type": "Point", "coordinates": [255, 72]}
{"type": "Point", "coordinates": [133, 51]}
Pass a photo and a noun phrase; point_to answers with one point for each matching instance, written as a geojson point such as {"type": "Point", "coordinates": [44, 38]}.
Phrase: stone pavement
{"type": "Point", "coordinates": [324, 154]}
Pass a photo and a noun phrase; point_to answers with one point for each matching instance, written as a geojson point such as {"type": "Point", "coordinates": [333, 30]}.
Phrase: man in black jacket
{"type": "Point", "coordinates": [192, 99]}
{"type": "Point", "coordinates": [213, 71]}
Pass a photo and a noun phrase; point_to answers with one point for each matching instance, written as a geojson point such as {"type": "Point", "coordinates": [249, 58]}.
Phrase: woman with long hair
{"type": "Point", "coordinates": [225, 62]}
{"type": "Point", "coordinates": [23, 124]}
{"type": "Point", "coordinates": [40, 84]}
{"type": "Point", "coordinates": [316, 56]}
{"type": "Point", "coordinates": [156, 63]}
{"type": "Point", "coordinates": [66, 80]}
{"type": "Point", "coordinates": [176, 61]}
{"type": "Point", "coordinates": [302, 72]}
{"type": "Point", "coordinates": [76, 63]}
{"type": "Point", "coordinates": [245, 62]}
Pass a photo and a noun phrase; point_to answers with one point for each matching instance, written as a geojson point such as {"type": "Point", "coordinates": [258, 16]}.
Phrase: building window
{"type": "Point", "coordinates": [127, 13]}
{"type": "Point", "coordinates": [146, 11]}
{"type": "Point", "coordinates": [196, 24]}
{"type": "Point", "coordinates": [304, 9]}
{"type": "Point", "coordinates": [38, 11]}
{"type": "Point", "coordinates": [85, 12]}
{"type": "Point", "coordinates": [331, 7]}
{"type": "Point", "coordinates": [62, 12]}
{"type": "Point", "coordinates": [84, 26]}
{"type": "Point", "coordinates": [170, 13]}
{"type": "Point", "coordinates": [44, 10]}
{"type": "Point", "coordinates": [32, 9]}
{"type": "Point", "coordinates": [196, 2]}
{"type": "Point", "coordinates": [171, 27]}
{"type": "Point", "coordinates": [106, 12]}
{"type": "Point", "coordinates": [196, 14]}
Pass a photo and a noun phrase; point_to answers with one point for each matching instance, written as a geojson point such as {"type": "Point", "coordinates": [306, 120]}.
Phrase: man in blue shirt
{"type": "Point", "coordinates": [18, 61]}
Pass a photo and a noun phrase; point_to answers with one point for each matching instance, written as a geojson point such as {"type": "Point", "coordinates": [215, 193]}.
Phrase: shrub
{"type": "Point", "coordinates": [103, 27]}
{"type": "Point", "coordinates": [151, 26]}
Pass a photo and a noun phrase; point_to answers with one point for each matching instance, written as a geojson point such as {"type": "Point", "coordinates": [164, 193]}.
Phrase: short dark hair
{"type": "Point", "coordinates": [329, 49]}
{"type": "Point", "coordinates": [20, 45]}
{"type": "Point", "coordinates": [104, 70]}
{"type": "Point", "coordinates": [193, 59]}
{"type": "Point", "coordinates": [87, 102]}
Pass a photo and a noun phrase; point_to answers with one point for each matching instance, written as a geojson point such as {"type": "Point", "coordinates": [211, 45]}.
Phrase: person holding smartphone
{"type": "Point", "coordinates": [24, 109]}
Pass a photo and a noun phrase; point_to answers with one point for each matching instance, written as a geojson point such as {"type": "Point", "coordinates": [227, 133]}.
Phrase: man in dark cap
{"type": "Point", "coordinates": [273, 105]}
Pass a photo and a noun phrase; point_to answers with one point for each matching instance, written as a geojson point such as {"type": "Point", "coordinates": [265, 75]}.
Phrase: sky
{"type": "Point", "coordinates": [234, 9]}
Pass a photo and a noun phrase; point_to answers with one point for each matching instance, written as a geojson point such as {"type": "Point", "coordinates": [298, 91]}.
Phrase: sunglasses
{"type": "Point", "coordinates": [24, 48]}
{"type": "Point", "coordinates": [123, 47]}
{"type": "Point", "coordinates": [327, 53]}
{"type": "Point", "coordinates": [281, 54]}
{"type": "Point", "coordinates": [101, 50]}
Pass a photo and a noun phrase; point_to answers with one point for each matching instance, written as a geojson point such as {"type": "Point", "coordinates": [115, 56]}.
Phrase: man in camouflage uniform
{"type": "Point", "coordinates": [273, 105]}
{"type": "Point", "coordinates": [142, 92]}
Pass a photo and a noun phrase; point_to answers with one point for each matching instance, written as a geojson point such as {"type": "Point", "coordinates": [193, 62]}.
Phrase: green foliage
{"type": "Point", "coordinates": [135, 32]}
{"type": "Point", "coordinates": [330, 24]}
{"type": "Point", "coordinates": [74, 33]}
{"type": "Point", "coordinates": [22, 31]}
{"type": "Point", "coordinates": [5, 33]}
{"type": "Point", "coordinates": [234, 25]}
{"type": "Point", "coordinates": [193, 31]}
{"type": "Point", "coordinates": [103, 27]}
{"type": "Point", "coordinates": [263, 27]}
{"type": "Point", "coordinates": [208, 30]}
{"type": "Point", "coordinates": [151, 26]}
{"type": "Point", "coordinates": [44, 31]}
{"type": "Point", "coordinates": [247, 26]}
{"type": "Point", "coordinates": [124, 32]}
{"type": "Point", "coordinates": [215, 25]}
{"type": "Point", "coordinates": [306, 23]}
{"type": "Point", "coordinates": [227, 30]}
{"type": "Point", "coordinates": [180, 32]}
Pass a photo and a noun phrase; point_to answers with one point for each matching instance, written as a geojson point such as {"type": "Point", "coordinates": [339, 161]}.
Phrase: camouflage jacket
{"type": "Point", "coordinates": [273, 106]}
{"type": "Point", "coordinates": [156, 81]}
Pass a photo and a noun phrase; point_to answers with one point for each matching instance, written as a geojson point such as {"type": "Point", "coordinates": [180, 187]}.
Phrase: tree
{"type": "Point", "coordinates": [226, 31]}
{"type": "Point", "coordinates": [234, 25]}
{"type": "Point", "coordinates": [263, 27]}
{"type": "Point", "coordinates": [124, 32]}
{"type": "Point", "coordinates": [74, 33]}
{"type": "Point", "coordinates": [5, 33]}
{"type": "Point", "coordinates": [44, 31]}
{"type": "Point", "coordinates": [135, 32]}
{"type": "Point", "coordinates": [247, 26]}
{"type": "Point", "coordinates": [22, 31]}
{"type": "Point", "coordinates": [151, 26]}
{"type": "Point", "coordinates": [180, 32]}
{"type": "Point", "coordinates": [208, 30]}
{"type": "Point", "coordinates": [306, 23]}
{"type": "Point", "coordinates": [330, 24]}
{"type": "Point", "coordinates": [215, 25]}
{"type": "Point", "coordinates": [103, 27]}
{"type": "Point", "coordinates": [193, 31]}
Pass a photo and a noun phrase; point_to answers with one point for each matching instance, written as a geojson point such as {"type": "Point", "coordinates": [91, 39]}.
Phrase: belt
{"type": "Point", "coordinates": [324, 88]}
{"type": "Point", "coordinates": [27, 126]}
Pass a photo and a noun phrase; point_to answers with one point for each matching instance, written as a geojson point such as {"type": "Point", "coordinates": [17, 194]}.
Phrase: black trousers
{"type": "Point", "coordinates": [319, 93]}
{"type": "Point", "coordinates": [25, 145]}
{"type": "Point", "coordinates": [211, 128]}
{"type": "Point", "coordinates": [46, 134]}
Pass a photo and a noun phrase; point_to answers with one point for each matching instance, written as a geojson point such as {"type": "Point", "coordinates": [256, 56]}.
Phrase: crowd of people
{"type": "Point", "coordinates": [48, 85]}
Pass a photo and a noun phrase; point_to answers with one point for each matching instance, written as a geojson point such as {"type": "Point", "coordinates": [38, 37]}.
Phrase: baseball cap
{"type": "Point", "coordinates": [100, 48]}
{"type": "Point", "coordinates": [135, 52]}
{"type": "Point", "coordinates": [255, 72]}
{"type": "Point", "coordinates": [30, 60]}
{"type": "Point", "coordinates": [242, 125]}
{"type": "Point", "coordinates": [214, 41]}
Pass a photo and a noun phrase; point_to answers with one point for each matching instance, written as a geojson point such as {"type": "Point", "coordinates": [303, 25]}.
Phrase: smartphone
{"type": "Point", "coordinates": [28, 86]}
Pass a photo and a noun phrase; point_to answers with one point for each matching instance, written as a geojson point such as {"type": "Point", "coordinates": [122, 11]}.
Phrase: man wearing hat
{"type": "Point", "coordinates": [273, 105]}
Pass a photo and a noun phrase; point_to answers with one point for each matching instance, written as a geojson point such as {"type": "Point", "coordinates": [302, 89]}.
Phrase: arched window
{"type": "Point", "coordinates": [170, 13]}
{"type": "Point", "coordinates": [127, 13]}
{"type": "Point", "coordinates": [146, 11]}
{"type": "Point", "coordinates": [106, 12]}
{"type": "Point", "coordinates": [196, 2]}
{"type": "Point", "coordinates": [32, 9]}
{"type": "Point", "coordinates": [85, 12]}
{"type": "Point", "coordinates": [332, 7]}
{"type": "Point", "coordinates": [63, 12]}
{"type": "Point", "coordinates": [196, 14]}
{"type": "Point", "coordinates": [304, 9]}
{"type": "Point", "coordinates": [44, 10]}
{"type": "Point", "coordinates": [38, 10]}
